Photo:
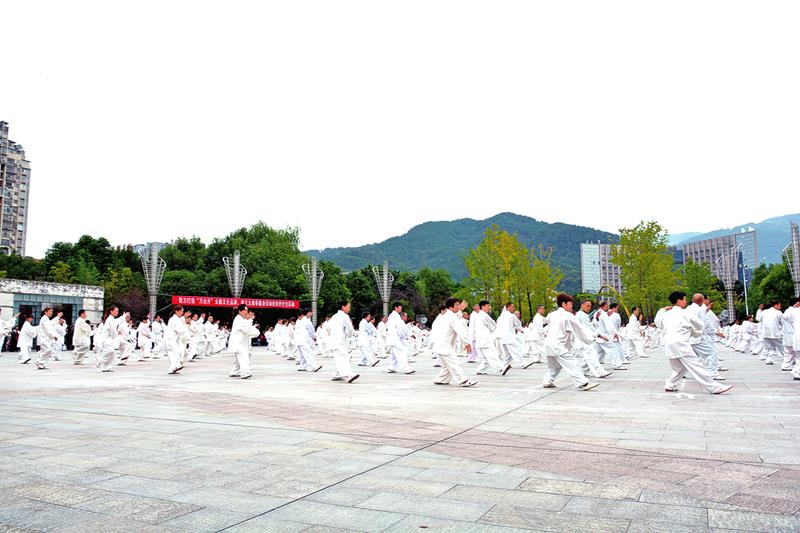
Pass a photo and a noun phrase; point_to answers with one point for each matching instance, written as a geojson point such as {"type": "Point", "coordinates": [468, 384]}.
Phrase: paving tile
{"type": "Point", "coordinates": [417, 524]}
{"type": "Point", "coordinates": [206, 519]}
{"type": "Point", "coordinates": [435, 507]}
{"type": "Point", "coordinates": [230, 500]}
{"type": "Point", "coordinates": [336, 516]}
{"type": "Point", "coordinates": [637, 510]}
{"type": "Point", "coordinates": [536, 519]}
{"type": "Point", "coordinates": [42, 516]}
{"type": "Point", "coordinates": [520, 498]}
{"type": "Point", "coordinates": [617, 491]}
{"type": "Point", "coordinates": [749, 521]}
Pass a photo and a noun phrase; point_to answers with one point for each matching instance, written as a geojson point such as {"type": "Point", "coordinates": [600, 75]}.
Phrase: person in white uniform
{"type": "Point", "coordinates": [173, 333]}
{"type": "Point", "coordinates": [366, 332]}
{"type": "Point", "coordinates": [451, 333]}
{"type": "Point", "coordinates": [563, 330]}
{"type": "Point", "coordinates": [587, 352]}
{"type": "Point", "coordinates": [772, 330]}
{"type": "Point", "coordinates": [81, 338]}
{"type": "Point", "coordinates": [341, 329]}
{"type": "Point", "coordinates": [680, 326]}
{"type": "Point", "coordinates": [27, 333]}
{"type": "Point", "coordinates": [48, 337]}
{"type": "Point", "coordinates": [485, 343]}
{"type": "Point", "coordinates": [304, 337]}
{"type": "Point", "coordinates": [506, 333]}
{"type": "Point", "coordinates": [242, 331]}
{"type": "Point", "coordinates": [535, 335]}
{"type": "Point", "coordinates": [396, 336]}
{"type": "Point", "coordinates": [791, 321]}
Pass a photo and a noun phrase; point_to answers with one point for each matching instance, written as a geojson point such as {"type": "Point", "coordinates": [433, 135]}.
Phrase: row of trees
{"type": "Point", "coordinates": [501, 269]}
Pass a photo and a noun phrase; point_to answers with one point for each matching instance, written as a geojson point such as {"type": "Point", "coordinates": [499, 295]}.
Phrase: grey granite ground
{"type": "Point", "coordinates": [140, 450]}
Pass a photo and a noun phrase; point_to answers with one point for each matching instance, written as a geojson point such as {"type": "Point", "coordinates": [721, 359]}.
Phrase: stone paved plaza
{"type": "Point", "coordinates": [140, 450]}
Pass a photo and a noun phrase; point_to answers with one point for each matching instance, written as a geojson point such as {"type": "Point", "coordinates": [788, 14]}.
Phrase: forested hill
{"type": "Point", "coordinates": [444, 245]}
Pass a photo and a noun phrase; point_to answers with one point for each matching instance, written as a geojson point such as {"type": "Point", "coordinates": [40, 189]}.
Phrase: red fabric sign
{"type": "Point", "coordinates": [219, 301]}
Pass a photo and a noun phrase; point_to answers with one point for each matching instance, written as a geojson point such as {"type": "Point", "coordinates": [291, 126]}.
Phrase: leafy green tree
{"type": "Point", "coordinates": [435, 286]}
{"type": "Point", "coordinates": [118, 283]}
{"type": "Point", "coordinates": [646, 263]}
{"type": "Point", "coordinates": [697, 277]}
{"type": "Point", "coordinates": [770, 282]}
{"type": "Point", "coordinates": [60, 272]}
{"type": "Point", "coordinates": [26, 268]}
{"type": "Point", "coordinates": [334, 290]}
{"type": "Point", "coordinates": [185, 254]}
{"type": "Point", "coordinates": [363, 291]}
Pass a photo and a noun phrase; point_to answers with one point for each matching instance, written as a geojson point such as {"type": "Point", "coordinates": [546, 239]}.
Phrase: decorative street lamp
{"type": "Point", "coordinates": [792, 254]}
{"type": "Point", "coordinates": [384, 280]}
{"type": "Point", "coordinates": [726, 271]}
{"type": "Point", "coordinates": [314, 277]}
{"type": "Point", "coordinates": [236, 273]}
{"type": "Point", "coordinates": [153, 267]}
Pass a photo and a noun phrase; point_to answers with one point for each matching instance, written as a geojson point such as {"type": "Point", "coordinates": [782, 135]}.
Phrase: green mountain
{"type": "Point", "coordinates": [772, 235]}
{"type": "Point", "coordinates": [444, 244]}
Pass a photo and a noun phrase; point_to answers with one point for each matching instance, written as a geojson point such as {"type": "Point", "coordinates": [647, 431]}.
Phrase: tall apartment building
{"type": "Point", "coordinates": [597, 269]}
{"type": "Point", "coordinates": [709, 251]}
{"type": "Point", "coordinates": [15, 176]}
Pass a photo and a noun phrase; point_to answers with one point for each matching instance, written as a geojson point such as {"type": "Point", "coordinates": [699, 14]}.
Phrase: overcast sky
{"type": "Point", "coordinates": [357, 120]}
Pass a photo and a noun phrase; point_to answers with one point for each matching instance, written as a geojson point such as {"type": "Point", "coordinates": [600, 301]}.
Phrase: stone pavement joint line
{"type": "Point", "coordinates": [138, 450]}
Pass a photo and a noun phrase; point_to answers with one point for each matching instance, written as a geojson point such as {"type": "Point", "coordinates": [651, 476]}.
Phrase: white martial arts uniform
{"type": "Point", "coordinates": [173, 335]}
{"type": "Point", "coordinates": [396, 336]}
{"type": "Point", "coordinates": [506, 333]}
{"type": "Point", "coordinates": [452, 333]}
{"type": "Point", "coordinates": [111, 340]}
{"type": "Point", "coordinates": [562, 331]}
{"type": "Point", "coordinates": [535, 336]}
{"type": "Point", "coordinates": [771, 329]}
{"type": "Point", "coordinates": [304, 336]}
{"type": "Point", "coordinates": [366, 332]}
{"type": "Point", "coordinates": [586, 351]}
{"type": "Point", "coordinates": [47, 341]}
{"type": "Point", "coordinates": [81, 340]}
{"type": "Point", "coordinates": [341, 329]}
{"type": "Point", "coordinates": [486, 345]}
{"type": "Point", "coordinates": [680, 326]}
{"type": "Point", "coordinates": [242, 331]}
{"type": "Point", "coordinates": [25, 341]}
{"type": "Point", "coordinates": [790, 322]}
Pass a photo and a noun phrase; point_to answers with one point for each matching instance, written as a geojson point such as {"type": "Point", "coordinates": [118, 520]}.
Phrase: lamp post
{"type": "Point", "coordinates": [384, 280]}
{"type": "Point", "coordinates": [235, 272]}
{"type": "Point", "coordinates": [314, 276]}
{"type": "Point", "coordinates": [792, 255]}
{"type": "Point", "coordinates": [153, 267]}
{"type": "Point", "coordinates": [726, 267]}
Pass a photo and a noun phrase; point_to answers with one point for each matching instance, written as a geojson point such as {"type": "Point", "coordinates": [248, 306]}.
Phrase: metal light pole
{"type": "Point", "coordinates": [726, 267]}
{"type": "Point", "coordinates": [792, 254]}
{"type": "Point", "coordinates": [744, 283]}
{"type": "Point", "coordinates": [384, 280]}
{"type": "Point", "coordinates": [153, 267]}
{"type": "Point", "coordinates": [314, 277]}
{"type": "Point", "coordinates": [236, 273]}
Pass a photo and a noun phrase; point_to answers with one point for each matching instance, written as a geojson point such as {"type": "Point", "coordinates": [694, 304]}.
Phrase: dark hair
{"type": "Point", "coordinates": [177, 308]}
{"type": "Point", "coordinates": [562, 298]}
{"type": "Point", "coordinates": [675, 296]}
{"type": "Point", "coordinates": [508, 303]}
{"type": "Point", "coordinates": [613, 306]}
{"type": "Point", "coordinates": [241, 308]}
{"type": "Point", "coordinates": [450, 302]}
{"type": "Point", "coordinates": [442, 307]}
{"type": "Point", "coordinates": [483, 302]}
{"type": "Point", "coordinates": [793, 301]}
{"type": "Point", "coordinates": [81, 312]}
{"type": "Point", "coordinates": [365, 314]}
{"type": "Point", "coordinates": [343, 303]}
{"type": "Point", "coordinates": [396, 304]}
{"type": "Point", "coordinates": [602, 303]}
{"type": "Point", "coordinates": [635, 307]}
{"type": "Point", "coordinates": [584, 301]}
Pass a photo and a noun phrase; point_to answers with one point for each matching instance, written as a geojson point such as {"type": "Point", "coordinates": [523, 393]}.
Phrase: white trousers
{"type": "Point", "coordinates": [451, 369]}
{"type": "Point", "coordinates": [772, 348]}
{"type": "Point", "coordinates": [305, 356]}
{"type": "Point", "coordinates": [789, 357]}
{"type": "Point", "coordinates": [510, 354]}
{"type": "Point", "coordinates": [487, 359]}
{"type": "Point", "coordinates": [80, 351]}
{"type": "Point", "coordinates": [174, 355]}
{"type": "Point", "coordinates": [536, 349]}
{"type": "Point", "coordinates": [398, 359]}
{"type": "Point", "coordinates": [589, 355]}
{"type": "Point", "coordinates": [692, 365]}
{"type": "Point", "coordinates": [46, 351]}
{"type": "Point", "coordinates": [366, 355]}
{"type": "Point", "coordinates": [707, 352]}
{"type": "Point", "coordinates": [105, 359]}
{"type": "Point", "coordinates": [241, 361]}
{"type": "Point", "coordinates": [342, 361]}
{"type": "Point", "coordinates": [570, 365]}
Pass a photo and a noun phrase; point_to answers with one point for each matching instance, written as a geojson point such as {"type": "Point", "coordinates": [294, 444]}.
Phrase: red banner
{"type": "Point", "coordinates": [219, 301]}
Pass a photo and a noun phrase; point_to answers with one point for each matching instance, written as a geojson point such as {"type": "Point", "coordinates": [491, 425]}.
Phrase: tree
{"type": "Point", "coordinates": [435, 286]}
{"type": "Point", "coordinates": [491, 266]}
{"type": "Point", "coordinates": [646, 266]}
{"type": "Point", "coordinates": [333, 291]}
{"type": "Point", "coordinates": [542, 280]}
{"type": "Point", "coordinates": [363, 293]}
{"type": "Point", "coordinates": [60, 272]}
{"type": "Point", "coordinates": [769, 283]}
{"type": "Point", "coordinates": [697, 277]}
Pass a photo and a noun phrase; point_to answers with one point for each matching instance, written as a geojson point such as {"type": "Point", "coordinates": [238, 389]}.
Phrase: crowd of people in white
{"type": "Point", "coordinates": [584, 342]}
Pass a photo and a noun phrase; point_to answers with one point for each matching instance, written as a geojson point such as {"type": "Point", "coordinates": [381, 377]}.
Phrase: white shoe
{"type": "Point", "coordinates": [588, 386]}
